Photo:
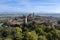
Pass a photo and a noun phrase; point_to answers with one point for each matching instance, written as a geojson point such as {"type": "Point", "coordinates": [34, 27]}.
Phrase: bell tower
{"type": "Point", "coordinates": [33, 14]}
{"type": "Point", "coordinates": [25, 19]}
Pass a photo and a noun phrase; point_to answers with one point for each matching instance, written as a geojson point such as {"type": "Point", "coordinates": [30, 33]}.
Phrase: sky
{"type": "Point", "coordinates": [50, 6]}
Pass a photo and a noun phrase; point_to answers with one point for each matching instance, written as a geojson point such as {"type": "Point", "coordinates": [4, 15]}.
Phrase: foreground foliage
{"type": "Point", "coordinates": [30, 32]}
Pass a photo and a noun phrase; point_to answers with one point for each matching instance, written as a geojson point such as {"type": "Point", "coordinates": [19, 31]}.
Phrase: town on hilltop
{"type": "Point", "coordinates": [30, 18]}
{"type": "Point", "coordinates": [30, 27]}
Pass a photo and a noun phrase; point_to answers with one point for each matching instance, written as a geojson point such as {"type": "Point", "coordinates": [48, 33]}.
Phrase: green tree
{"type": "Point", "coordinates": [31, 36]}
{"type": "Point", "coordinates": [40, 31]}
{"type": "Point", "coordinates": [49, 36]}
{"type": "Point", "coordinates": [42, 38]}
{"type": "Point", "coordinates": [1, 38]}
{"type": "Point", "coordinates": [8, 39]}
{"type": "Point", "coordinates": [17, 33]}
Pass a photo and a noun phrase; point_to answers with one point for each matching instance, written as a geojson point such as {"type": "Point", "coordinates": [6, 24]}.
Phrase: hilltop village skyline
{"type": "Point", "coordinates": [30, 18]}
{"type": "Point", "coordinates": [29, 27]}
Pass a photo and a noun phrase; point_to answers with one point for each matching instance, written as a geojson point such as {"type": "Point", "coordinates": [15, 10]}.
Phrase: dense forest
{"type": "Point", "coordinates": [30, 32]}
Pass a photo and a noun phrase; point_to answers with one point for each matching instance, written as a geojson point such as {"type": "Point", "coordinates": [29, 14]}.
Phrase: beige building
{"type": "Point", "coordinates": [24, 19]}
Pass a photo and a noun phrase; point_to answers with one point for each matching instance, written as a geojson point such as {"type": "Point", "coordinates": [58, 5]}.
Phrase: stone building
{"type": "Point", "coordinates": [30, 18]}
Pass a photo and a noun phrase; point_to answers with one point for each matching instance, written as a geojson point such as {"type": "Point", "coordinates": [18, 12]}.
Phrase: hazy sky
{"type": "Point", "coordinates": [30, 6]}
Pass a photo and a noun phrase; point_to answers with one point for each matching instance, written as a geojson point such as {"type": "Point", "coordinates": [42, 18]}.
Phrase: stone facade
{"type": "Point", "coordinates": [24, 19]}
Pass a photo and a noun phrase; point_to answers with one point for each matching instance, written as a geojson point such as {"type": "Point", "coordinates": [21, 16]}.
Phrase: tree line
{"type": "Point", "coordinates": [30, 32]}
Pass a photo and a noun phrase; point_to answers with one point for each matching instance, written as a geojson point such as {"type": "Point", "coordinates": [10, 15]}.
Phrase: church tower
{"type": "Point", "coordinates": [33, 14]}
{"type": "Point", "coordinates": [25, 19]}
